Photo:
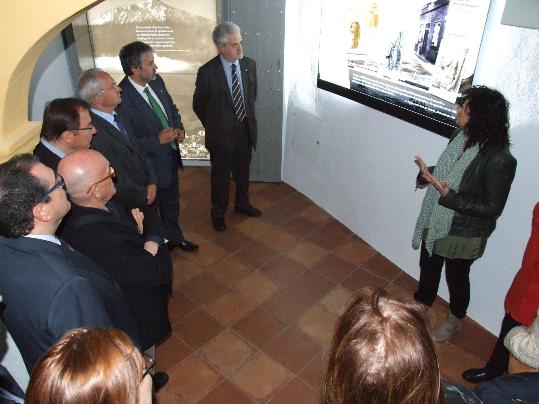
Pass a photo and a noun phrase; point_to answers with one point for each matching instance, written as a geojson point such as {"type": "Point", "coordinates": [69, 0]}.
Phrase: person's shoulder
{"type": "Point", "coordinates": [213, 63]}
{"type": "Point", "coordinates": [503, 156]}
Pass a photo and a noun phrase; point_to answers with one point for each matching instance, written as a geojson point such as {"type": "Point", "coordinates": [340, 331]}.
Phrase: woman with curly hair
{"type": "Point", "coordinates": [467, 191]}
{"type": "Point", "coordinates": [92, 366]}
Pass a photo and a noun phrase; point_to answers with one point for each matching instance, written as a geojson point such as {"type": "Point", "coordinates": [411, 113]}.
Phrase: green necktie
{"type": "Point", "coordinates": [160, 114]}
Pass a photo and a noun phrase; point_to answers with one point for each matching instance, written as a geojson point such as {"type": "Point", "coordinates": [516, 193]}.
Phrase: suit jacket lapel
{"type": "Point", "coordinates": [111, 129]}
{"type": "Point", "coordinates": [157, 89]}
{"type": "Point", "coordinates": [140, 103]}
{"type": "Point", "coordinates": [220, 76]}
{"type": "Point", "coordinates": [244, 81]}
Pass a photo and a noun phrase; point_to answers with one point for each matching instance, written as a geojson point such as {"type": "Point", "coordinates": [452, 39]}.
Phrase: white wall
{"type": "Point", "coordinates": [357, 163]}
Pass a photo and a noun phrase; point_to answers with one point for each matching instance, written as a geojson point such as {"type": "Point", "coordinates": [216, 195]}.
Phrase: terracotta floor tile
{"type": "Point", "coordinates": [229, 271]}
{"type": "Point", "coordinates": [361, 279]}
{"type": "Point", "coordinates": [316, 214]}
{"type": "Point", "coordinates": [261, 203]}
{"type": "Point", "coordinates": [256, 254]}
{"type": "Point", "coordinates": [283, 270]}
{"type": "Point", "coordinates": [297, 202]}
{"type": "Point", "coordinates": [355, 252]}
{"type": "Point", "coordinates": [257, 287]}
{"type": "Point", "coordinates": [197, 328]}
{"type": "Point", "coordinates": [286, 306]}
{"type": "Point", "coordinates": [259, 327]}
{"type": "Point", "coordinates": [208, 254]}
{"type": "Point", "coordinates": [260, 377]}
{"type": "Point", "coordinates": [381, 266]}
{"type": "Point", "coordinates": [475, 339]}
{"type": "Point", "coordinates": [326, 238]}
{"type": "Point", "coordinates": [226, 393]}
{"type": "Point", "coordinates": [277, 193]}
{"type": "Point", "coordinates": [276, 215]}
{"type": "Point", "coordinates": [230, 308]}
{"type": "Point", "coordinates": [310, 287]}
{"type": "Point", "coordinates": [257, 186]}
{"type": "Point", "coordinates": [184, 271]}
{"type": "Point", "coordinates": [406, 281]}
{"type": "Point", "coordinates": [193, 379]}
{"type": "Point", "coordinates": [171, 352]}
{"type": "Point", "coordinates": [232, 240]}
{"type": "Point", "coordinates": [292, 350]}
{"type": "Point", "coordinates": [194, 237]}
{"type": "Point", "coordinates": [279, 239]}
{"type": "Point", "coordinates": [307, 254]}
{"type": "Point", "coordinates": [300, 227]}
{"type": "Point", "coordinates": [337, 300]}
{"type": "Point", "coordinates": [205, 228]}
{"type": "Point", "coordinates": [165, 396]}
{"type": "Point", "coordinates": [319, 325]}
{"type": "Point", "coordinates": [179, 306]}
{"type": "Point", "coordinates": [334, 268]}
{"type": "Point", "coordinates": [312, 374]}
{"type": "Point", "coordinates": [453, 361]}
{"type": "Point", "coordinates": [203, 289]}
{"type": "Point", "coordinates": [338, 227]}
{"type": "Point", "coordinates": [227, 352]}
{"type": "Point", "coordinates": [296, 392]}
{"type": "Point", "coordinates": [253, 227]}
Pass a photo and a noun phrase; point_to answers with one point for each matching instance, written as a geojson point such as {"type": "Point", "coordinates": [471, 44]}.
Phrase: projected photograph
{"type": "Point", "coordinates": [179, 31]}
{"type": "Point", "coordinates": [416, 56]}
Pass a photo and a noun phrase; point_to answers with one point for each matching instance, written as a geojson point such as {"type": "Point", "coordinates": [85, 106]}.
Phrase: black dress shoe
{"type": "Point", "coordinates": [249, 211]}
{"type": "Point", "coordinates": [184, 245]}
{"type": "Point", "coordinates": [218, 223]}
{"type": "Point", "coordinates": [160, 379]}
{"type": "Point", "coordinates": [476, 375]}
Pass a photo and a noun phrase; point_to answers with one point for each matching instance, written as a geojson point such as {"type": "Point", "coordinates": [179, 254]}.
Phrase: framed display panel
{"type": "Point", "coordinates": [179, 31]}
{"type": "Point", "coordinates": [410, 59]}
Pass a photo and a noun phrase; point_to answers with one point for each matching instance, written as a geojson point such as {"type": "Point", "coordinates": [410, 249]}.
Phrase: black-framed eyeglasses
{"type": "Point", "coordinates": [112, 174]}
{"type": "Point", "coordinates": [60, 183]}
{"type": "Point", "coordinates": [90, 127]}
{"type": "Point", "coordinates": [149, 364]}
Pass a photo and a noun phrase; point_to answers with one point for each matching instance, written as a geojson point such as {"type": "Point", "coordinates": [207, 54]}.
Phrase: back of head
{"type": "Point", "coordinates": [220, 32]}
{"type": "Point", "coordinates": [20, 191]}
{"type": "Point", "coordinates": [88, 367]}
{"type": "Point", "coordinates": [80, 170]}
{"type": "Point", "coordinates": [131, 56]}
{"type": "Point", "coordinates": [382, 353]}
{"type": "Point", "coordinates": [60, 115]}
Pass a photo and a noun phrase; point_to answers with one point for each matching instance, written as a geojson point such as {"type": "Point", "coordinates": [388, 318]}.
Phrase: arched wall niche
{"type": "Point", "coordinates": [27, 28]}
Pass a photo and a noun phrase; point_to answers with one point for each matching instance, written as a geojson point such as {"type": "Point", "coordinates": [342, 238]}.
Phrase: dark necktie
{"type": "Point", "coordinates": [160, 114]}
{"type": "Point", "coordinates": [120, 126]}
{"type": "Point", "coordinates": [237, 97]}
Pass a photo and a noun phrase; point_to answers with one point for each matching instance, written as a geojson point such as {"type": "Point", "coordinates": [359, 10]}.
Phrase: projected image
{"type": "Point", "coordinates": [414, 55]}
{"type": "Point", "coordinates": [179, 32]}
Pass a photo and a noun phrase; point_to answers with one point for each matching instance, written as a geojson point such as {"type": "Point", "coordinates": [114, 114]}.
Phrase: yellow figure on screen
{"type": "Point", "coordinates": [373, 18]}
{"type": "Point", "coordinates": [355, 29]}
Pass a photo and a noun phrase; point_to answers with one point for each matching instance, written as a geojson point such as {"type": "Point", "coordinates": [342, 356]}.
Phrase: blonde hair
{"type": "Point", "coordinates": [87, 367]}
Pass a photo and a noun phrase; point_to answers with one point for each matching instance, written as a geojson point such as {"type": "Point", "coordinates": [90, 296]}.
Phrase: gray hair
{"type": "Point", "coordinates": [222, 30]}
{"type": "Point", "coordinates": [90, 84]}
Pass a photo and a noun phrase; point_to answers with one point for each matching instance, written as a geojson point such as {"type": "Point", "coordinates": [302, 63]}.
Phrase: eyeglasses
{"type": "Point", "coordinates": [113, 86]}
{"type": "Point", "coordinates": [90, 127]}
{"type": "Point", "coordinates": [60, 183]}
{"type": "Point", "coordinates": [149, 364]}
{"type": "Point", "coordinates": [112, 174]}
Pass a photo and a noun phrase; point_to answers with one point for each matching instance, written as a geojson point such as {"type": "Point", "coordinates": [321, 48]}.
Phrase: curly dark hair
{"type": "Point", "coordinates": [20, 191]}
{"type": "Point", "coordinates": [489, 118]}
{"type": "Point", "coordinates": [131, 56]}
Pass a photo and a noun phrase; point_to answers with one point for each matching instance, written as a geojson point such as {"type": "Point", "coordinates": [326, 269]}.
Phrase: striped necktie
{"type": "Point", "coordinates": [237, 97]}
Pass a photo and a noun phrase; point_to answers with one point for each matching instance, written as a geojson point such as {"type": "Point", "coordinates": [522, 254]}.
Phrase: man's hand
{"type": "Point", "coordinates": [151, 247]}
{"type": "Point", "coordinates": [151, 193]}
{"type": "Point", "coordinates": [167, 135]}
{"type": "Point", "coordinates": [139, 218]}
{"type": "Point", "coordinates": [180, 135]}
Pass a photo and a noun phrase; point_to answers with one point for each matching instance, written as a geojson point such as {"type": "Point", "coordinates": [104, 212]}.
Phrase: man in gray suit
{"type": "Point", "coordinates": [224, 101]}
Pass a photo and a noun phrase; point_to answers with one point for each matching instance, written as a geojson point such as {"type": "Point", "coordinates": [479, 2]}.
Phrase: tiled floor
{"type": "Point", "coordinates": [253, 310]}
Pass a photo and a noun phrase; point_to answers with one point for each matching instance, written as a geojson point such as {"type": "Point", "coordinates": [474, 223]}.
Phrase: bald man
{"type": "Point", "coordinates": [126, 243]}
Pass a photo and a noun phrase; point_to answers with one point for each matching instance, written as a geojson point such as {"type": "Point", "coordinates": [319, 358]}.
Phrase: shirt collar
{"type": "Point", "coordinates": [52, 148]}
{"type": "Point", "coordinates": [45, 237]}
{"type": "Point", "coordinates": [137, 86]}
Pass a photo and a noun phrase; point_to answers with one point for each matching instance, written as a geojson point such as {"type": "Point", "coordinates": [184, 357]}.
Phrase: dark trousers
{"type": "Point", "coordinates": [499, 358]}
{"type": "Point", "coordinates": [168, 203]}
{"type": "Point", "coordinates": [235, 159]}
{"type": "Point", "coordinates": [457, 274]}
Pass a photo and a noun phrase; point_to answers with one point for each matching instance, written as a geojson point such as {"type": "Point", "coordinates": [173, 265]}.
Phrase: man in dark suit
{"type": "Point", "coordinates": [156, 123]}
{"type": "Point", "coordinates": [127, 243]}
{"type": "Point", "coordinates": [48, 288]}
{"type": "Point", "coordinates": [224, 101]}
{"type": "Point", "coordinates": [67, 126]}
{"type": "Point", "coordinates": [115, 140]}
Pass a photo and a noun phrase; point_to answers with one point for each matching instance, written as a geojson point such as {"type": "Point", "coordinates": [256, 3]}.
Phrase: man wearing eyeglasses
{"type": "Point", "coordinates": [127, 243]}
{"type": "Point", "coordinates": [48, 288]}
{"type": "Point", "coordinates": [67, 126]}
{"type": "Point", "coordinates": [115, 140]}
